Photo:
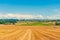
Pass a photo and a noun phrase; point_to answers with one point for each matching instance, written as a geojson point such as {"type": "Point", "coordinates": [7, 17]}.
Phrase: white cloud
{"type": "Point", "coordinates": [21, 16]}
{"type": "Point", "coordinates": [30, 16]}
{"type": "Point", "coordinates": [27, 16]}
{"type": "Point", "coordinates": [54, 16]}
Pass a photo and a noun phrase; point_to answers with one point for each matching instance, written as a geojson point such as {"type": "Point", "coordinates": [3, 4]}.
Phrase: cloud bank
{"type": "Point", "coordinates": [27, 16]}
{"type": "Point", "coordinates": [20, 16]}
{"type": "Point", "coordinates": [54, 16]}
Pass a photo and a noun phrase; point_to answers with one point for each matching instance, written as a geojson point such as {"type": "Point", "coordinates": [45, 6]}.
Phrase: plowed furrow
{"type": "Point", "coordinates": [40, 36]}
{"type": "Point", "coordinates": [49, 35]}
{"type": "Point", "coordinates": [12, 35]}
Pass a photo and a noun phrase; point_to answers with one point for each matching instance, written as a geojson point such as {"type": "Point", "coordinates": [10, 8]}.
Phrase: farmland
{"type": "Point", "coordinates": [30, 22]}
{"type": "Point", "coordinates": [13, 32]}
{"type": "Point", "coordinates": [14, 29]}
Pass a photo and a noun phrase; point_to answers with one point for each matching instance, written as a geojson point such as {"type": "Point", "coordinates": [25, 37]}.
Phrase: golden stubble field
{"type": "Point", "coordinates": [11, 32]}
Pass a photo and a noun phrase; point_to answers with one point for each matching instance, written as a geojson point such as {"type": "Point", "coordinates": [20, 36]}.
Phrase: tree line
{"type": "Point", "coordinates": [8, 21]}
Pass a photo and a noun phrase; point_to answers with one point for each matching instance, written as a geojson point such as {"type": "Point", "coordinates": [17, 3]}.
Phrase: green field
{"type": "Point", "coordinates": [34, 24]}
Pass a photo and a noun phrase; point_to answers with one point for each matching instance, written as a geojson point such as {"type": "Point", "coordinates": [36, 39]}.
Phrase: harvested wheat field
{"type": "Point", "coordinates": [11, 32]}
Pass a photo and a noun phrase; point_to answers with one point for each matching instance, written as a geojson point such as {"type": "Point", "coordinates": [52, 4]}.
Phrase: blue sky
{"type": "Point", "coordinates": [45, 8]}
